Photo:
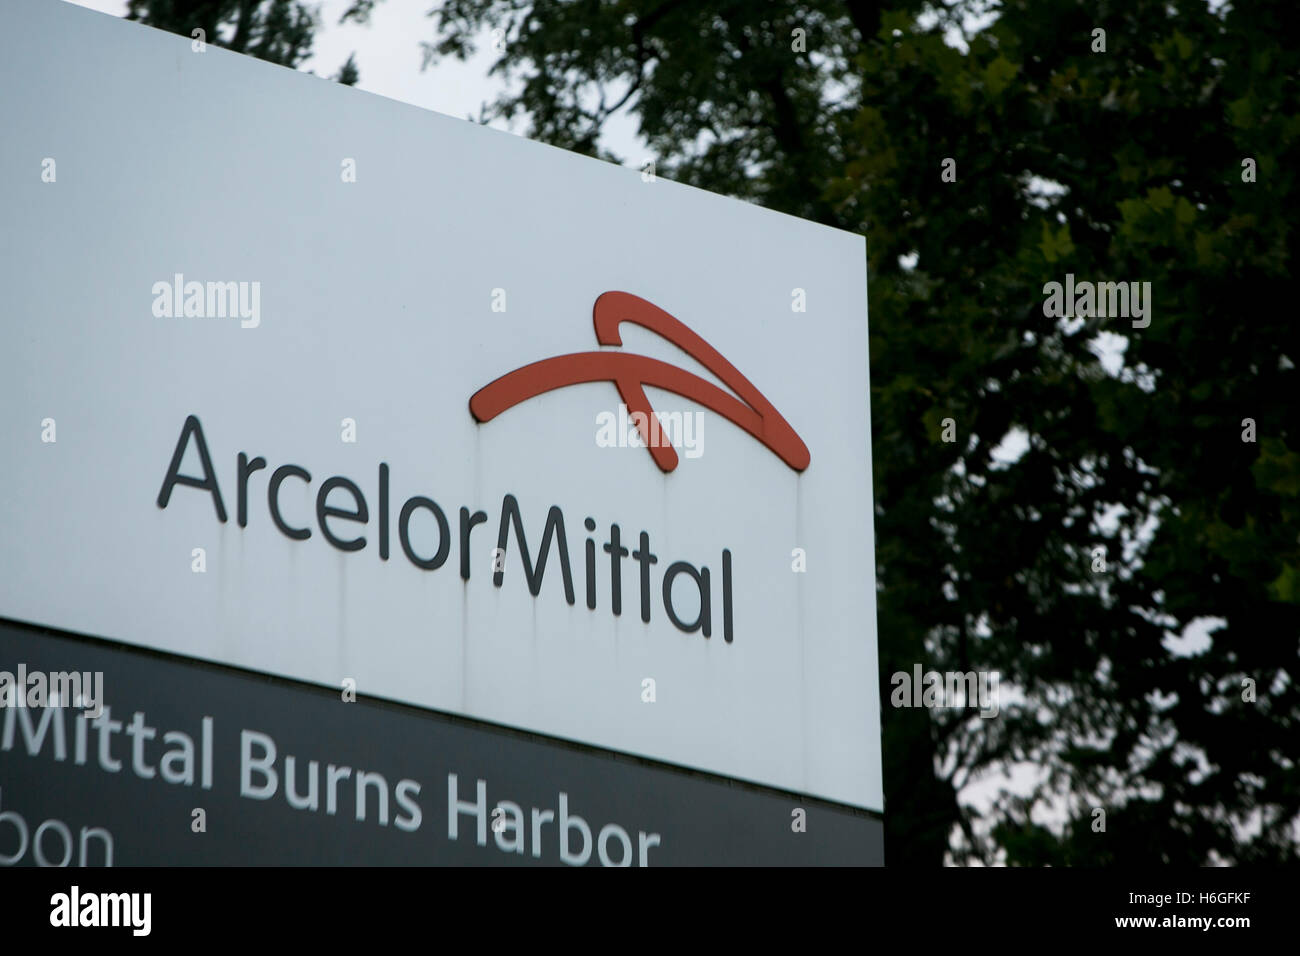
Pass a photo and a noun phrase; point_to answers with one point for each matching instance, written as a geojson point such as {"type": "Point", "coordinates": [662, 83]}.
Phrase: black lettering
{"type": "Point", "coordinates": [616, 553]}
{"type": "Point", "coordinates": [701, 579]}
{"type": "Point", "coordinates": [554, 523]}
{"type": "Point", "coordinates": [590, 525]}
{"type": "Point", "coordinates": [207, 483]}
{"type": "Point", "coordinates": [467, 523]}
{"type": "Point", "coordinates": [273, 499]}
{"type": "Point", "coordinates": [383, 511]}
{"type": "Point", "coordinates": [726, 595]}
{"type": "Point", "coordinates": [323, 511]}
{"type": "Point", "coordinates": [246, 468]}
{"type": "Point", "coordinates": [444, 533]}
{"type": "Point", "coordinates": [645, 559]}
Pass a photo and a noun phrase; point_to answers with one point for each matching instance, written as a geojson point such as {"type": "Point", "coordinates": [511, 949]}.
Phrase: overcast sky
{"type": "Point", "coordinates": [388, 55]}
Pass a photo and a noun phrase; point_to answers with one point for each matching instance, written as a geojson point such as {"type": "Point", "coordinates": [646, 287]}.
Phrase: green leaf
{"type": "Point", "coordinates": [1056, 245]}
{"type": "Point", "coordinates": [1277, 470]}
{"type": "Point", "coordinates": [1241, 113]}
{"type": "Point", "coordinates": [999, 74]}
{"type": "Point", "coordinates": [1286, 586]}
{"type": "Point", "coordinates": [1160, 199]}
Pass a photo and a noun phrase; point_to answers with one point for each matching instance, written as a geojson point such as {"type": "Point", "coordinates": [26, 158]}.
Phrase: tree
{"type": "Point", "coordinates": [1124, 161]}
{"type": "Point", "coordinates": [278, 31]}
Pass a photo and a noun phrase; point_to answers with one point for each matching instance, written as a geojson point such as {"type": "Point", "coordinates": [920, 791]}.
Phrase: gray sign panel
{"type": "Point", "coordinates": [285, 773]}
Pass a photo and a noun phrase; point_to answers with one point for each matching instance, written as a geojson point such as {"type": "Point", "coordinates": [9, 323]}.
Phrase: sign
{"type": "Point", "coordinates": [302, 381]}
{"type": "Point", "coordinates": [286, 773]}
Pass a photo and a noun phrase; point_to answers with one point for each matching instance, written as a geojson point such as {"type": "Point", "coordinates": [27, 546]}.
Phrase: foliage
{"type": "Point", "coordinates": [278, 31]}
{"type": "Point", "coordinates": [1123, 165]}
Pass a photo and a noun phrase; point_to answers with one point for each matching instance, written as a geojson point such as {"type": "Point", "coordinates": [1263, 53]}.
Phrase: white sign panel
{"type": "Point", "coordinates": [314, 383]}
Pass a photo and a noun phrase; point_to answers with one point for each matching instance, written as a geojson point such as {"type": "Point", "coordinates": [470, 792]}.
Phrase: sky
{"type": "Point", "coordinates": [388, 55]}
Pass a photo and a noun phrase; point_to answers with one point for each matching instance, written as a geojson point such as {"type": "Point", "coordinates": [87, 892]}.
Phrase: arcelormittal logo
{"type": "Point", "coordinates": [632, 373]}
